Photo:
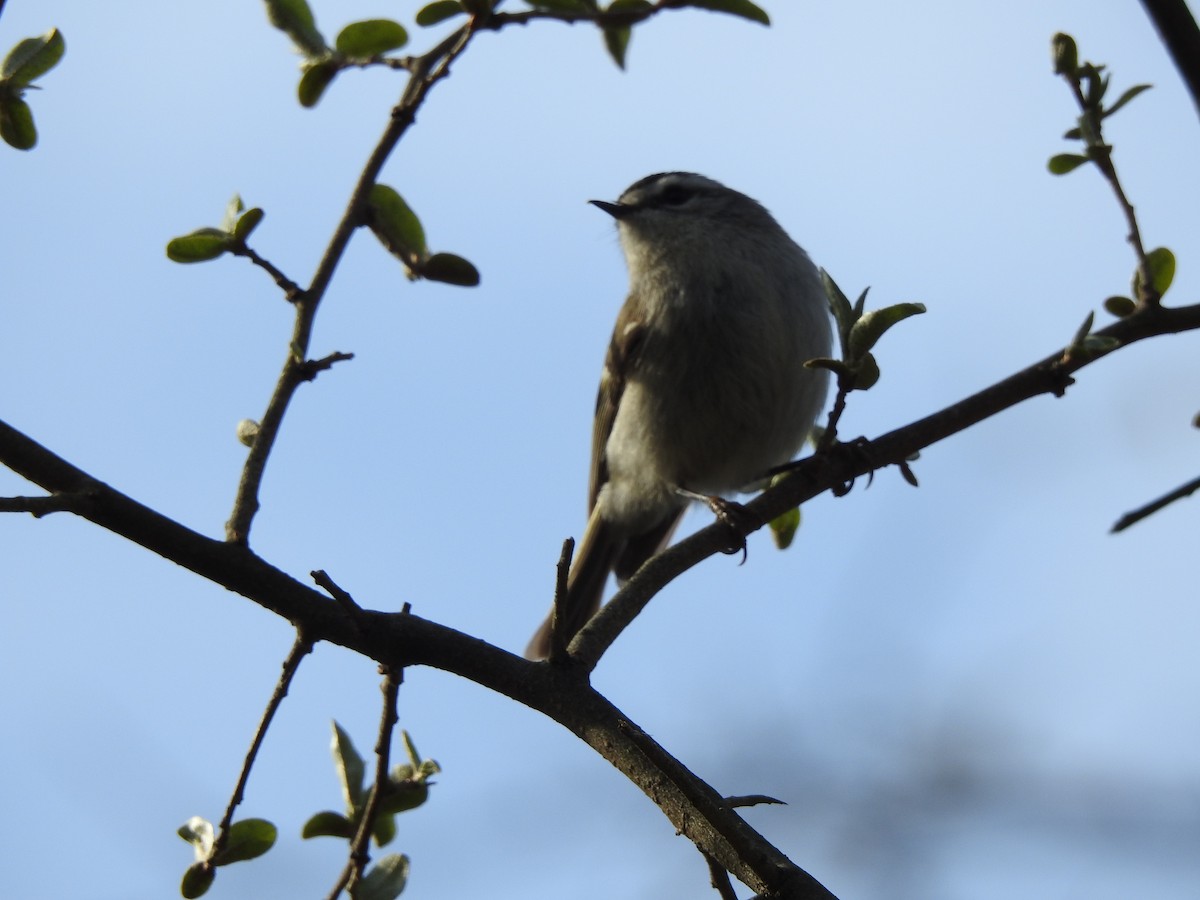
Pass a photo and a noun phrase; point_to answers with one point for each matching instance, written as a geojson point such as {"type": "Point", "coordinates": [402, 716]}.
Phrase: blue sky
{"type": "Point", "coordinates": [965, 690]}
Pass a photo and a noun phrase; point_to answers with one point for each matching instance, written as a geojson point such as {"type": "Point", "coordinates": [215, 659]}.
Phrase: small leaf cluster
{"type": "Point", "coordinates": [407, 788]}
{"type": "Point", "coordinates": [1160, 263]}
{"type": "Point", "coordinates": [1091, 86]}
{"type": "Point", "coordinates": [614, 19]}
{"type": "Point", "coordinates": [858, 333]}
{"type": "Point", "coordinates": [358, 44]}
{"type": "Point", "coordinates": [204, 244]}
{"type": "Point", "coordinates": [247, 839]}
{"type": "Point", "coordinates": [1086, 346]}
{"type": "Point", "coordinates": [27, 61]}
{"type": "Point", "coordinates": [401, 233]}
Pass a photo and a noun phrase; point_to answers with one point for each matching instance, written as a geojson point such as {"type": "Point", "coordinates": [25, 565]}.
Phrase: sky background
{"type": "Point", "coordinates": [968, 690]}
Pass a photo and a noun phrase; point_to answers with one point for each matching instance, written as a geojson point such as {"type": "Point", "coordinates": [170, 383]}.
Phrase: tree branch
{"type": "Point", "coordinates": [426, 71]}
{"type": "Point", "coordinates": [843, 463]}
{"type": "Point", "coordinates": [301, 648]}
{"type": "Point", "coordinates": [1135, 516]}
{"type": "Point", "coordinates": [360, 846]}
{"type": "Point", "coordinates": [1177, 29]}
{"type": "Point", "coordinates": [401, 639]}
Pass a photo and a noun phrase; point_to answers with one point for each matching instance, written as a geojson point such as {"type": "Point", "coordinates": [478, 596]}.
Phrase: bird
{"type": "Point", "coordinates": [704, 387]}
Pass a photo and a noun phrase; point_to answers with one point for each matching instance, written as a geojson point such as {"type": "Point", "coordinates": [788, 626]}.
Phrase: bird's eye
{"type": "Point", "coordinates": [676, 195]}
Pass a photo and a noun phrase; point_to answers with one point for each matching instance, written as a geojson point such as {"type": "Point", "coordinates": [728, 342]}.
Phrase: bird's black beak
{"type": "Point", "coordinates": [616, 210]}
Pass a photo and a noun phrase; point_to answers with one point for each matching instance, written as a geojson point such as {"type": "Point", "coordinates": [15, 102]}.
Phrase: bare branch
{"type": "Point", "coordinates": [291, 290]}
{"type": "Point", "coordinates": [40, 506]}
{"type": "Point", "coordinates": [1177, 29]}
{"type": "Point", "coordinates": [301, 648]}
{"type": "Point", "coordinates": [1132, 518]}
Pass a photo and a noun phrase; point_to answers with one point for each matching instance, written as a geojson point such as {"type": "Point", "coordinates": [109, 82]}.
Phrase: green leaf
{"type": "Point", "coordinates": [1120, 306]}
{"type": "Point", "coordinates": [16, 123]}
{"type": "Point", "coordinates": [396, 225]}
{"type": "Point", "coordinates": [439, 11]}
{"type": "Point", "coordinates": [232, 210]}
{"type": "Point", "coordinates": [784, 528]}
{"type": "Point", "coordinates": [450, 269]}
{"type": "Point", "coordinates": [385, 881]}
{"type": "Point", "coordinates": [866, 373]}
{"type": "Point", "coordinates": [1097, 344]}
{"type": "Point", "coordinates": [836, 366]}
{"type": "Point", "coordinates": [839, 305]}
{"type": "Point", "coordinates": [315, 79]}
{"type": "Point", "coordinates": [1063, 163]}
{"type": "Point", "coordinates": [1083, 330]}
{"type": "Point", "coordinates": [201, 245]}
{"type": "Point", "coordinates": [350, 769]}
{"type": "Point", "coordinates": [247, 222]}
{"type": "Point", "coordinates": [413, 757]}
{"type": "Point", "coordinates": [1161, 262]}
{"type": "Point", "coordinates": [616, 40]}
{"type": "Point", "coordinates": [867, 331]}
{"type": "Point", "coordinates": [383, 829]}
{"type": "Point", "coordinates": [1126, 97]}
{"type": "Point", "coordinates": [295, 19]}
{"type": "Point", "coordinates": [328, 824]}
{"type": "Point", "coordinates": [372, 37]}
{"type": "Point", "coordinates": [1065, 54]}
{"type": "Point", "coordinates": [33, 57]}
{"type": "Point", "coordinates": [743, 8]}
{"type": "Point", "coordinates": [247, 839]}
{"type": "Point", "coordinates": [401, 796]}
{"type": "Point", "coordinates": [197, 880]}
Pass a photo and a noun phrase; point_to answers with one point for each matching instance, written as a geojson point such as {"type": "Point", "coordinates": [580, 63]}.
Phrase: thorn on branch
{"type": "Point", "coordinates": [41, 506]}
{"type": "Point", "coordinates": [310, 368]}
{"type": "Point", "coordinates": [347, 602]}
{"type": "Point", "coordinates": [751, 800]}
{"type": "Point", "coordinates": [558, 641]}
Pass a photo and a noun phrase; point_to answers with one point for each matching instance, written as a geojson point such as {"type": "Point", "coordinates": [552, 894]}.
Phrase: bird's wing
{"type": "Point", "coordinates": [622, 350]}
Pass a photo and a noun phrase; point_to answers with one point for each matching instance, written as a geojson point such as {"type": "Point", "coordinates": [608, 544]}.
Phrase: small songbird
{"type": "Point", "coordinates": [704, 387]}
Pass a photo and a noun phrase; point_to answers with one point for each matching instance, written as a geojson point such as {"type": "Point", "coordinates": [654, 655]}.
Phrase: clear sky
{"type": "Point", "coordinates": [968, 690]}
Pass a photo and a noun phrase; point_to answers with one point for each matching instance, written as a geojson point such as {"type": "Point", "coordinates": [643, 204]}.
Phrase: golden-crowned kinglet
{"type": "Point", "coordinates": [704, 387]}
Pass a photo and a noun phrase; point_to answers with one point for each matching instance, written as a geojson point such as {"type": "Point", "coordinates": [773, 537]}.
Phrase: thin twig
{"type": "Point", "coordinates": [1100, 153]}
{"type": "Point", "coordinates": [1131, 518]}
{"type": "Point", "coordinates": [719, 878]}
{"type": "Point", "coordinates": [360, 846]}
{"type": "Point", "coordinates": [40, 506]}
{"type": "Point", "coordinates": [291, 290]}
{"type": "Point", "coordinates": [562, 571]}
{"type": "Point", "coordinates": [427, 70]}
{"type": "Point", "coordinates": [829, 435]}
{"type": "Point", "coordinates": [620, 18]}
{"type": "Point", "coordinates": [301, 648]}
{"type": "Point", "coordinates": [348, 603]}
